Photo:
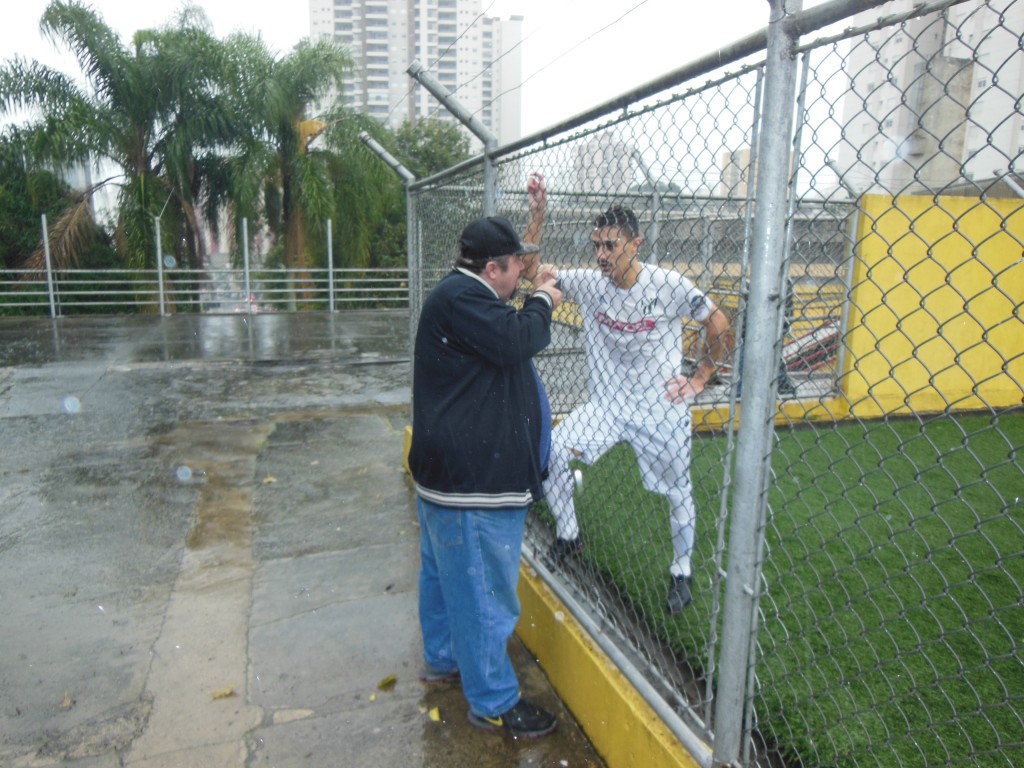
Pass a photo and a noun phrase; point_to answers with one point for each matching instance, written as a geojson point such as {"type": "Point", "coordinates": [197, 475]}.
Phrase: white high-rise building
{"type": "Point", "coordinates": [474, 56]}
{"type": "Point", "coordinates": [605, 164]}
{"type": "Point", "coordinates": [935, 101]}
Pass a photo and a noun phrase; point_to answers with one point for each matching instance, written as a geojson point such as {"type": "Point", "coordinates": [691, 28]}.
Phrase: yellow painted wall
{"type": "Point", "coordinates": [935, 308]}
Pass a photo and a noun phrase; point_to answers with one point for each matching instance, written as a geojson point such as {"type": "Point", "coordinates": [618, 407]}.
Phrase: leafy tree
{"type": "Point", "coordinates": [155, 112]}
{"type": "Point", "coordinates": [369, 200]}
{"type": "Point", "coordinates": [24, 196]}
{"type": "Point", "coordinates": [192, 126]}
{"type": "Point", "coordinates": [424, 147]}
{"type": "Point", "coordinates": [311, 169]}
{"type": "Point", "coordinates": [274, 176]}
{"type": "Point", "coordinates": [429, 146]}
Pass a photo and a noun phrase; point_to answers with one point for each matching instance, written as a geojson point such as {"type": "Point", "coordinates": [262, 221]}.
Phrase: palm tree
{"type": "Point", "coordinates": [370, 199]}
{"type": "Point", "coordinates": [194, 125]}
{"type": "Point", "coordinates": [156, 112]}
{"type": "Point", "coordinates": [302, 168]}
{"type": "Point", "coordinates": [273, 170]}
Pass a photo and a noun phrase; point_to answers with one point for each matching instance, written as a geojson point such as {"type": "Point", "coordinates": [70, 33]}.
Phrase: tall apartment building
{"type": "Point", "coordinates": [475, 57]}
{"type": "Point", "coordinates": [934, 102]}
{"type": "Point", "coordinates": [737, 177]}
{"type": "Point", "coordinates": [605, 164]}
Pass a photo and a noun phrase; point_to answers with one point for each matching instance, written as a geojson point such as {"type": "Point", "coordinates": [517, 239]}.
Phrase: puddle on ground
{"type": "Point", "coordinates": [219, 458]}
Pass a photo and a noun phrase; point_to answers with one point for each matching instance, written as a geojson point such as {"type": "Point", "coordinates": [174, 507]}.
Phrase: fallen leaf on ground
{"type": "Point", "coordinates": [269, 479]}
{"type": "Point", "coordinates": [67, 702]}
{"type": "Point", "coordinates": [435, 715]}
{"type": "Point", "coordinates": [387, 683]}
{"type": "Point", "coordinates": [224, 693]}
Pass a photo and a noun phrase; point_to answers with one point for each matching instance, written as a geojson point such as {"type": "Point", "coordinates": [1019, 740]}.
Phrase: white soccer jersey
{"type": "Point", "coordinates": [634, 338]}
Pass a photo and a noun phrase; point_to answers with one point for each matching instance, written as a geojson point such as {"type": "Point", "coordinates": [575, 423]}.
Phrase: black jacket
{"type": "Point", "coordinates": [476, 408]}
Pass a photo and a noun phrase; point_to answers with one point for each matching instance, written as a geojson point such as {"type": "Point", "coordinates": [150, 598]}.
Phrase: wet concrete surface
{"type": "Point", "coordinates": [208, 551]}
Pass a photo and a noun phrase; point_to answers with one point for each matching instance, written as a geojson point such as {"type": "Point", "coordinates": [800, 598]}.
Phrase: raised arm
{"type": "Point", "coordinates": [537, 193]}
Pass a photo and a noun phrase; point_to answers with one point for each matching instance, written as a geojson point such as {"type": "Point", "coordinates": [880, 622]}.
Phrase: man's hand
{"type": "Point", "coordinates": [547, 275]}
{"type": "Point", "coordinates": [537, 192]}
{"type": "Point", "coordinates": [682, 388]}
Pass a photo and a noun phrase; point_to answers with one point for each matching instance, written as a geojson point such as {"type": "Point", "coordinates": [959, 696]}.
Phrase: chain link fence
{"type": "Point", "coordinates": [854, 466]}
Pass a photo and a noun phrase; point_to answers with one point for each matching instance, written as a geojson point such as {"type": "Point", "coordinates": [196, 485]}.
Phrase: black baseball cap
{"type": "Point", "coordinates": [491, 237]}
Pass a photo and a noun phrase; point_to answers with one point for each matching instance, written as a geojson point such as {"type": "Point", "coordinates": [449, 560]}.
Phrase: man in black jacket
{"type": "Point", "coordinates": [475, 461]}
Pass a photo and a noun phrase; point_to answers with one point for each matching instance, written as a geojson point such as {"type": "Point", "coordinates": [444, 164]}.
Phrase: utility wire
{"type": "Point", "coordinates": [438, 108]}
{"type": "Point", "coordinates": [562, 55]}
{"type": "Point", "coordinates": [440, 56]}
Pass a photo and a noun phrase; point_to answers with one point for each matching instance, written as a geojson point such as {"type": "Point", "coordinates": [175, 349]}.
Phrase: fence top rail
{"type": "Point", "coordinates": [801, 23]}
{"type": "Point", "coordinates": [917, 11]}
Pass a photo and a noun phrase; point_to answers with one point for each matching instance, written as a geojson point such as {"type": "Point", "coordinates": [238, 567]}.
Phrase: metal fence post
{"type": "Point", "coordinates": [758, 399]}
{"type": "Point", "coordinates": [330, 269]}
{"type": "Point", "coordinates": [245, 262]}
{"type": "Point", "coordinates": [474, 124]}
{"type": "Point", "coordinates": [50, 289]}
{"type": "Point", "coordinates": [652, 231]}
{"type": "Point", "coordinates": [159, 267]}
{"type": "Point", "coordinates": [412, 260]}
{"type": "Point", "coordinates": [490, 177]}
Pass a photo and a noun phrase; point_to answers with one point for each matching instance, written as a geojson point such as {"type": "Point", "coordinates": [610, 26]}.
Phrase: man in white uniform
{"type": "Point", "coordinates": [633, 334]}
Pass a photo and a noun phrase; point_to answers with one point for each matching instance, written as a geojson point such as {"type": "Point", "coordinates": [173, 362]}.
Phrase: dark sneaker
{"type": "Point", "coordinates": [564, 549]}
{"type": "Point", "coordinates": [431, 676]}
{"type": "Point", "coordinates": [679, 594]}
{"type": "Point", "coordinates": [524, 719]}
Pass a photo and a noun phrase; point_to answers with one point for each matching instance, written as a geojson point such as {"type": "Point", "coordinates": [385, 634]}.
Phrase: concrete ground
{"type": "Point", "coordinates": [208, 551]}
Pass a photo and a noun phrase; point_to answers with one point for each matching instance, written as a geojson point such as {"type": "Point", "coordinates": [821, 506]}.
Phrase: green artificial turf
{"type": "Point", "coordinates": [891, 616]}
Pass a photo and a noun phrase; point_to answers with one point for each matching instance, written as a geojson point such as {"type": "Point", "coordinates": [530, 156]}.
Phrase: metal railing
{"type": "Point", "coordinates": [853, 202]}
{"type": "Point", "coordinates": [219, 287]}
{"type": "Point", "coordinates": [215, 290]}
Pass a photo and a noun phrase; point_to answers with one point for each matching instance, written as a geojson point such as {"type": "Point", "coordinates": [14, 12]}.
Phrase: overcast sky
{"type": "Point", "coordinates": [576, 53]}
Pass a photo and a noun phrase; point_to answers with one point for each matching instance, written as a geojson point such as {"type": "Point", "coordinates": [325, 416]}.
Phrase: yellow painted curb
{"type": "Point", "coordinates": [623, 727]}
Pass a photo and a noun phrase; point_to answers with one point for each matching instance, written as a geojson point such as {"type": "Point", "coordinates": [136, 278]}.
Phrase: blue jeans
{"type": "Point", "coordinates": [469, 570]}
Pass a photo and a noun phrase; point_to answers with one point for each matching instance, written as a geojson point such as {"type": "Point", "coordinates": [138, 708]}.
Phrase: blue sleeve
{"type": "Point", "coordinates": [545, 421]}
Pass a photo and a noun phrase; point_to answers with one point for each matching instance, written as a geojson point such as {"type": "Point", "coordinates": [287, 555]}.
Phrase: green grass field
{"type": "Point", "coordinates": [892, 614]}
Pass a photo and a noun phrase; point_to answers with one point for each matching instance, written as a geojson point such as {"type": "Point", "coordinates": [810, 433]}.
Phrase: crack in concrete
{"type": "Point", "coordinates": [197, 679]}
